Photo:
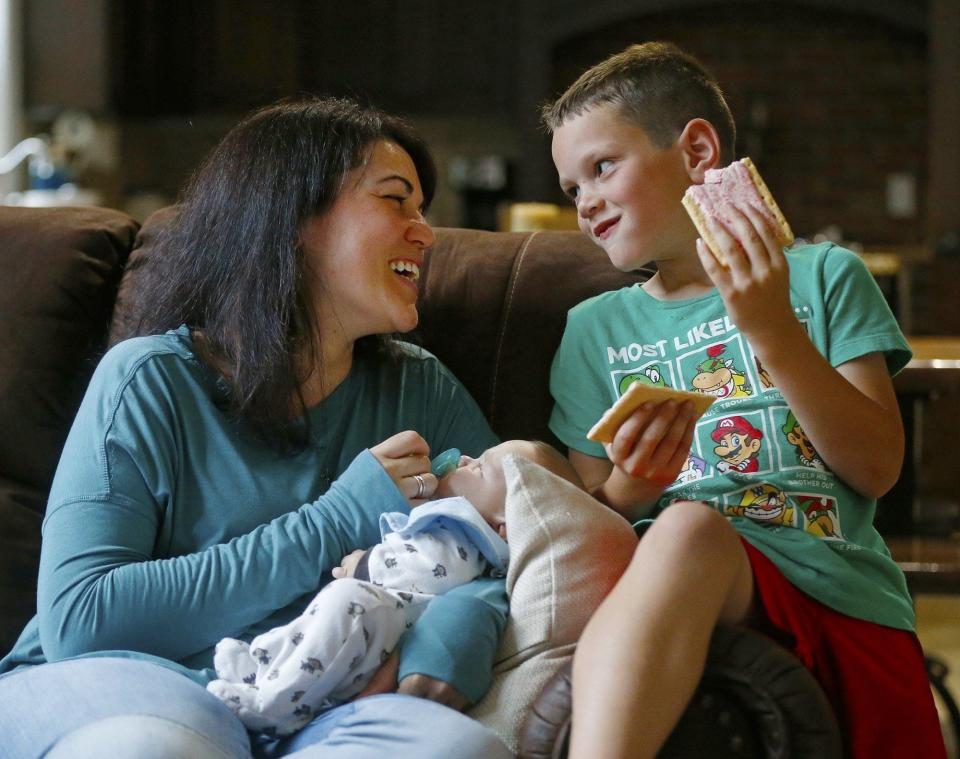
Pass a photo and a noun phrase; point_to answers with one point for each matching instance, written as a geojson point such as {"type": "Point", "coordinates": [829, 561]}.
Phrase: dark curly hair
{"type": "Point", "coordinates": [231, 263]}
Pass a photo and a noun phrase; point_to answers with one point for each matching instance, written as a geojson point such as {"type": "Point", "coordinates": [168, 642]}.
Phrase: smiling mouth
{"type": "Point", "coordinates": [604, 227]}
{"type": "Point", "coordinates": [720, 390]}
{"type": "Point", "coordinates": [406, 269]}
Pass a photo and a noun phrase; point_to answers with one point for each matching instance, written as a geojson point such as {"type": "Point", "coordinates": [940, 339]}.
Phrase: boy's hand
{"type": "Point", "coordinates": [649, 451]}
{"type": "Point", "coordinates": [406, 458]}
{"type": "Point", "coordinates": [348, 566]}
{"type": "Point", "coordinates": [756, 286]}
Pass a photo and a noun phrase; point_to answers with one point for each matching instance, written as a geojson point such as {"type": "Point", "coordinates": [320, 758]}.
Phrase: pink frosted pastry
{"type": "Point", "coordinates": [737, 184]}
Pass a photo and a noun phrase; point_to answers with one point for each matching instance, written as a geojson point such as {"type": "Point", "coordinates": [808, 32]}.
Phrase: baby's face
{"type": "Point", "coordinates": [481, 481]}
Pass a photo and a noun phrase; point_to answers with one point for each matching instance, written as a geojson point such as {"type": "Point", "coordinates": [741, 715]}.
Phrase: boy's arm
{"type": "Point", "coordinates": [651, 445]}
{"type": "Point", "coordinates": [849, 412]}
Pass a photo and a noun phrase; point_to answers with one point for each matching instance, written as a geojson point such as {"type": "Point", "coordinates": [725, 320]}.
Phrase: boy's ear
{"type": "Point", "coordinates": [700, 147]}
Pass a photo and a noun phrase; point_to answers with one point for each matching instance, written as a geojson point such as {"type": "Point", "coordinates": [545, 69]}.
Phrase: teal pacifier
{"type": "Point", "coordinates": [445, 463]}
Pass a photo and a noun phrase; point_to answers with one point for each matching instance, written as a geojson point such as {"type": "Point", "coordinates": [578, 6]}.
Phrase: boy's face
{"type": "Point", "coordinates": [481, 481]}
{"type": "Point", "coordinates": [626, 189]}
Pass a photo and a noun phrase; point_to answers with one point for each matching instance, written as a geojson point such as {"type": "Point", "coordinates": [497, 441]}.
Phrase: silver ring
{"type": "Point", "coordinates": [420, 486]}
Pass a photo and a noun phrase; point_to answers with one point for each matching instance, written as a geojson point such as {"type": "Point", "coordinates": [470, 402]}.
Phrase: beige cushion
{"type": "Point", "coordinates": [566, 552]}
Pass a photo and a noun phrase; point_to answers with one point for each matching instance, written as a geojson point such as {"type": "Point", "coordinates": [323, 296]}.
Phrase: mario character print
{"type": "Point", "coordinates": [737, 444]}
{"type": "Point", "coordinates": [821, 516]}
{"type": "Point", "coordinates": [763, 503]}
{"type": "Point", "coordinates": [719, 375]}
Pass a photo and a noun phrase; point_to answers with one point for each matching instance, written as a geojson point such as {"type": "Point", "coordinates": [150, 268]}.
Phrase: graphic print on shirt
{"type": "Point", "coordinates": [820, 516]}
{"type": "Point", "coordinates": [719, 370]}
{"type": "Point", "coordinates": [766, 381]}
{"type": "Point", "coordinates": [657, 373]}
{"type": "Point", "coordinates": [764, 503]}
{"type": "Point", "coordinates": [651, 374]}
{"type": "Point", "coordinates": [746, 442]}
{"type": "Point", "coordinates": [805, 454]}
{"type": "Point", "coordinates": [738, 444]}
{"type": "Point", "coordinates": [694, 468]}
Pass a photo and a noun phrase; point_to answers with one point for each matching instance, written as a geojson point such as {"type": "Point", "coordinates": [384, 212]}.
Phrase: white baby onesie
{"type": "Point", "coordinates": [283, 678]}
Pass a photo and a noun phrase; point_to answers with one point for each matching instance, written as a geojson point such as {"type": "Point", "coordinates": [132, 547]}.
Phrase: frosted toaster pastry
{"type": "Point", "coordinates": [738, 183]}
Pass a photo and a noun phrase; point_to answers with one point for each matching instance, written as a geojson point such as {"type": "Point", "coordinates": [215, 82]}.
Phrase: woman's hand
{"type": "Point", "coordinates": [756, 286]}
{"type": "Point", "coordinates": [385, 681]}
{"type": "Point", "coordinates": [406, 458]}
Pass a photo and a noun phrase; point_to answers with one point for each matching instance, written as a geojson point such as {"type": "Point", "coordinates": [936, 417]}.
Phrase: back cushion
{"type": "Point", "coordinates": [59, 270]}
{"type": "Point", "coordinates": [493, 308]}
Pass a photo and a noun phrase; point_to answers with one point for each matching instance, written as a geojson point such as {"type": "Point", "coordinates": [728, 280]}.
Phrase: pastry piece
{"type": "Point", "coordinates": [639, 392]}
{"type": "Point", "coordinates": [737, 184]}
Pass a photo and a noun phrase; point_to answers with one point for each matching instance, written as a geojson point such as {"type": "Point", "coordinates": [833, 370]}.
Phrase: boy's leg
{"type": "Point", "coordinates": [642, 654]}
{"type": "Point", "coordinates": [874, 676]}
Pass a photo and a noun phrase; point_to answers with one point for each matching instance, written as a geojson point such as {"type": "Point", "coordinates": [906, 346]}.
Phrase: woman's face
{"type": "Point", "coordinates": [362, 258]}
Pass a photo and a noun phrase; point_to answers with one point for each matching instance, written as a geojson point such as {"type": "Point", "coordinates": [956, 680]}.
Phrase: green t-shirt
{"type": "Point", "coordinates": [750, 459]}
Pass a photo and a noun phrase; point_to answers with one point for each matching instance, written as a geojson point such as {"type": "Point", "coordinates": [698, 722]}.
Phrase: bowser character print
{"type": "Point", "coordinates": [821, 516]}
{"type": "Point", "coordinates": [738, 445]}
{"type": "Point", "coordinates": [766, 381]}
{"type": "Point", "coordinates": [764, 503]}
{"type": "Point", "coordinates": [806, 454]}
{"type": "Point", "coordinates": [719, 377]}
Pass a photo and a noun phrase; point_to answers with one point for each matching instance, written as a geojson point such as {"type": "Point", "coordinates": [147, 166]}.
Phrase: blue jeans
{"type": "Point", "coordinates": [129, 709]}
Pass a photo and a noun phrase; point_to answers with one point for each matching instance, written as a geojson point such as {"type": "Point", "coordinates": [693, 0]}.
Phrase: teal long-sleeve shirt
{"type": "Point", "coordinates": [170, 525]}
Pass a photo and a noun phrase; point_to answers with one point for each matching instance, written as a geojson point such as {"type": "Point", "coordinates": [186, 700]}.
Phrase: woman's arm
{"type": "Point", "coordinates": [456, 639]}
{"type": "Point", "coordinates": [100, 588]}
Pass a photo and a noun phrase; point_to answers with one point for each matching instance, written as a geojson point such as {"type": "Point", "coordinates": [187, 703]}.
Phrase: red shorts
{"type": "Point", "coordinates": [873, 675]}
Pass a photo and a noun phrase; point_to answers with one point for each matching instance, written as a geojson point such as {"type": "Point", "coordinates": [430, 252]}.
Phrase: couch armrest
{"type": "Point", "coordinates": [755, 700]}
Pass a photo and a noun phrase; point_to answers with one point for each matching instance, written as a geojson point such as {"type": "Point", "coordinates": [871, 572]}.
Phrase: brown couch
{"type": "Point", "coordinates": [493, 309]}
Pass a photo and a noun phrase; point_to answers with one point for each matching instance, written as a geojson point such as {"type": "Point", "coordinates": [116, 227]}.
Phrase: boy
{"type": "Point", "coordinates": [283, 678]}
{"type": "Point", "coordinates": [735, 546]}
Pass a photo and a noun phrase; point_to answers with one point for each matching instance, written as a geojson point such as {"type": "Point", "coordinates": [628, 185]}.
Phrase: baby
{"type": "Point", "coordinates": [284, 677]}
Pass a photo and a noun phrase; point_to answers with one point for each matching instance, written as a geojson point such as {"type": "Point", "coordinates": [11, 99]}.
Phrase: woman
{"type": "Point", "coordinates": [223, 463]}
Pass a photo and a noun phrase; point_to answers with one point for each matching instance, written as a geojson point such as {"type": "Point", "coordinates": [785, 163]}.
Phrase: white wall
{"type": "Point", "coordinates": [11, 87]}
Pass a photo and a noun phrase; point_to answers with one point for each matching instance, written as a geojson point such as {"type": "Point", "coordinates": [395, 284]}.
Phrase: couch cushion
{"type": "Point", "coordinates": [493, 307]}
{"type": "Point", "coordinates": [566, 552]}
{"type": "Point", "coordinates": [126, 315]}
{"type": "Point", "coordinates": [59, 270]}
